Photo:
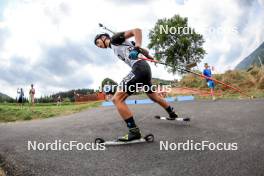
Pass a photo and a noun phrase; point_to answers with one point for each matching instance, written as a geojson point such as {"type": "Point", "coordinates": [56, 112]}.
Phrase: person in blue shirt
{"type": "Point", "coordinates": [210, 83]}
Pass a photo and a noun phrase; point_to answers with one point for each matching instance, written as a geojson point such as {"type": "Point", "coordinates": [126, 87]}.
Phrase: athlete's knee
{"type": "Point", "coordinates": [117, 99]}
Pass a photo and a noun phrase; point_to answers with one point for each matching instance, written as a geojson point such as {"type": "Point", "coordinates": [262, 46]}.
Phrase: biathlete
{"type": "Point", "coordinates": [128, 52]}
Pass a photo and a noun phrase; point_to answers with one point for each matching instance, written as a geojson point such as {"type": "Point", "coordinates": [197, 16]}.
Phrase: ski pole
{"type": "Point", "coordinates": [105, 28]}
{"type": "Point", "coordinates": [198, 74]}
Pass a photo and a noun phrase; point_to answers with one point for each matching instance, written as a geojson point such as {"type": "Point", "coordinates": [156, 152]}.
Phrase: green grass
{"type": "Point", "coordinates": [236, 95]}
{"type": "Point", "coordinates": [11, 112]}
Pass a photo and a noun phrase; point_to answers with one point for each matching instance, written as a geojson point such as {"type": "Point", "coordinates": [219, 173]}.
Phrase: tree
{"type": "Point", "coordinates": [176, 48]}
{"type": "Point", "coordinates": [108, 81]}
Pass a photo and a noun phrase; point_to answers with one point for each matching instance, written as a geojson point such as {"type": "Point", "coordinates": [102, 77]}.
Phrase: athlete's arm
{"type": "Point", "coordinates": [120, 37]}
{"type": "Point", "coordinates": [137, 33]}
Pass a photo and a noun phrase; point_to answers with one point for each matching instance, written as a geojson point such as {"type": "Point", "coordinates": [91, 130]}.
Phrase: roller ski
{"type": "Point", "coordinates": [174, 116]}
{"type": "Point", "coordinates": [133, 137]}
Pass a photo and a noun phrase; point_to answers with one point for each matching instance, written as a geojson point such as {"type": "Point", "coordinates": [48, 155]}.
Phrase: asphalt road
{"type": "Point", "coordinates": [225, 121]}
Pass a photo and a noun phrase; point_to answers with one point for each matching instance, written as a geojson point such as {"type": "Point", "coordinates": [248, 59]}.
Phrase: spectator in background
{"type": "Point", "coordinates": [18, 94]}
{"type": "Point", "coordinates": [20, 97]}
{"type": "Point", "coordinates": [210, 83]}
{"type": "Point", "coordinates": [59, 100]}
{"type": "Point", "coordinates": [76, 96]}
{"type": "Point", "coordinates": [32, 95]}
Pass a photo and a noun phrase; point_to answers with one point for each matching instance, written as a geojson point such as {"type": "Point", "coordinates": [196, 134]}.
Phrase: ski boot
{"type": "Point", "coordinates": [133, 134]}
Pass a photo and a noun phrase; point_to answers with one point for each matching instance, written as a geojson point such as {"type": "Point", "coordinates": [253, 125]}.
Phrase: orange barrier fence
{"type": "Point", "coordinates": [90, 97]}
{"type": "Point", "coordinates": [193, 91]}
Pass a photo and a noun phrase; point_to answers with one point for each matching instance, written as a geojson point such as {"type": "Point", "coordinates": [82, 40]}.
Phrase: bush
{"type": "Point", "coordinates": [191, 80]}
{"type": "Point", "coordinates": [66, 100]}
{"type": "Point", "coordinates": [261, 82]}
{"type": "Point", "coordinates": [28, 117]}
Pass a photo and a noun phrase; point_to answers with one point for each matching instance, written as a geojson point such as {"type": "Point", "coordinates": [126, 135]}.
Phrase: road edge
{"type": "Point", "coordinates": [2, 164]}
{"type": "Point", "coordinates": [8, 169]}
